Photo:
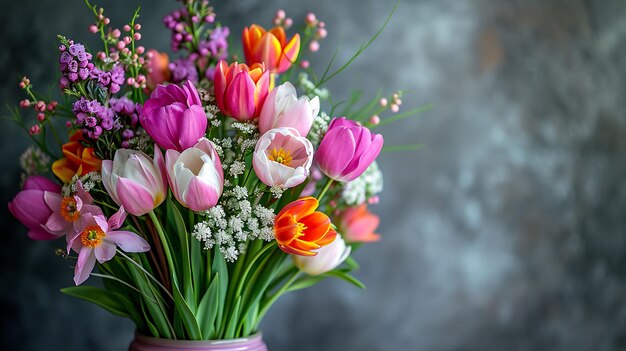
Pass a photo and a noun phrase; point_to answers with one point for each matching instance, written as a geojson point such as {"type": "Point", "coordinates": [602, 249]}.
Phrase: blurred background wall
{"type": "Point", "coordinates": [507, 231]}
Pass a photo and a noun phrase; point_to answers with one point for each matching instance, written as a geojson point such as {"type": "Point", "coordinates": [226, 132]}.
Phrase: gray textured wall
{"type": "Point", "coordinates": [506, 232]}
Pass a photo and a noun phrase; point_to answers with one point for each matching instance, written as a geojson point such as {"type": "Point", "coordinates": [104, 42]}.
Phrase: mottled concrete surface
{"type": "Point", "coordinates": [506, 232]}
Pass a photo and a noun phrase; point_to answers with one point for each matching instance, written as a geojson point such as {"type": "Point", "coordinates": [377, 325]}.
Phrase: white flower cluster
{"type": "Point", "coordinates": [142, 142]}
{"type": "Point", "coordinates": [319, 128]}
{"type": "Point", "coordinates": [367, 185]}
{"type": "Point", "coordinates": [89, 181]}
{"type": "Point", "coordinates": [34, 161]}
{"type": "Point", "coordinates": [210, 108]}
{"type": "Point", "coordinates": [235, 220]}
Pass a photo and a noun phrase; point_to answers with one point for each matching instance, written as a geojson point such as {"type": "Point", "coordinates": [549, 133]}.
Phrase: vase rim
{"type": "Point", "coordinates": [151, 340]}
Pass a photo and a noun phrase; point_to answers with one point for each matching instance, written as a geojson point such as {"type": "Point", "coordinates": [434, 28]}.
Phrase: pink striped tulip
{"type": "Point", "coordinates": [240, 90]}
{"type": "Point", "coordinates": [347, 149]}
{"type": "Point", "coordinates": [328, 258]}
{"type": "Point", "coordinates": [283, 108]}
{"type": "Point", "coordinates": [29, 206]}
{"type": "Point", "coordinates": [195, 176]}
{"type": "Point", "coordinates": [282, 158]}
{"type": "Point", "coordinates": [174, 117]}
{"type": "Point", "coordinates": [135, 181]}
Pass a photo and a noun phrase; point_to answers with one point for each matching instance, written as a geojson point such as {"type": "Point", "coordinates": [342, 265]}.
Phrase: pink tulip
{"type": "Point", "coordinates": [174, 117]}
{"type": "Point", "coordinates": [282, 108]}
{"type": "Point", "coordinates": [97, 239]}
{"type": "Point", "coordinates": [67, 210]}
{"type": "Point", "coordinates": [282, 158]}
{"type": "Point", "coordinates": [135, 181]}
{"type": "Point", "coordinates": [347, 149]}
{"type": "Point", "coordinates": [328, 258]}
{"type": "Point", "coordinates": [195, 176]}
{"type": "Point", "coordinates": [357, 224]}
{"type": "Point", "coordinates": [29, 206]}
{"type": "Point", "coordinates": [240, 90]}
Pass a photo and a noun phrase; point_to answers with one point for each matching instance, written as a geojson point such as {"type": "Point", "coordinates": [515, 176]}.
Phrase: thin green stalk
{"type": "Point", "coordinates": [166, 247]}
{"type": "Point", "coordinates": [106, 276]}
{"type": "Point", "coordinates": [146, 273]}
{"type": "Point", "coordinates": [324, 189]}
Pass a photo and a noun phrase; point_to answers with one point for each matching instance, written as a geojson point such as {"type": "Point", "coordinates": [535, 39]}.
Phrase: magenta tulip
{"type": "Point", "coordinates": [283, 108]}
{"type": "Point", "coordinates": [135, 181]}
{"type": "Point", "coordinates": [347, 149]}
{"type": "Point", "coordinates": [195, 176]}
{"type": "Point", "coordinates": [174, 117]}
{"type": "Point", "coordinates": [29, 206]}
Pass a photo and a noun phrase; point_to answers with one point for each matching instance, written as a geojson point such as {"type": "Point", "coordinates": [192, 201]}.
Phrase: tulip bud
{"type": "Point", "coordinates": [283, 108]}
{"type": "Point", "coordinates": [135, 181]}
{"type": "Point", "coordinates": [347, 149]}
{"type": "Point", "coordinates": [327, 258]}
{"type": "Point", "coordinates": [195, 176]}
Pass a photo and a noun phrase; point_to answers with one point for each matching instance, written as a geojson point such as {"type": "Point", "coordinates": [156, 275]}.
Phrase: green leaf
{"type": "Point", "coordinates": [156, 310]}
{"type": "Point", "coordinates": [186, 315]}
{"type": "Point", "coordinates": [233, 321]}
{"type": "Point", "coordinates": [109, 300]}
{"type": "Point", "coordinates": [347, 277]}
{"type": "Point", "coordinates": [219, 267]}
{"type": "Point", "coordinates": [207, 309]}
{"type": "Point", "coordinates": [306, 282]}
{"type": "Point", "coordinates": [352, 263]}
{"type": "Point", "coordinates": [154, 331]}
{"type": "Point", "coordinates": [181, 230]}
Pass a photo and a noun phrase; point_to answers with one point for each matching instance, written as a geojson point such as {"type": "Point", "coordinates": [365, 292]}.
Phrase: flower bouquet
{"type": "Point", "coordinates": [200, 189]}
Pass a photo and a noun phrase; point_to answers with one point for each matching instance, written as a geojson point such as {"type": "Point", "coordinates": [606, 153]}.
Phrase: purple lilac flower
{"type": "Point", "coordinates": [74, 64]}
{"type": "Point", "coordinates": [93, 117]}
{"type": "Point", "coordinates": [184, 69]}
{"type": "Point", "coordinates": [217, 46]}
{"type": "Point", "coordinates": [128, 114]}
{"type": "Point", "coordinates": [113, 79]}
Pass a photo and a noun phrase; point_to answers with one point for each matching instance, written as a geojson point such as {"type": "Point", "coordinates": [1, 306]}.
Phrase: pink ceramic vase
{"type": "Point", "coordinates": [146, 343]}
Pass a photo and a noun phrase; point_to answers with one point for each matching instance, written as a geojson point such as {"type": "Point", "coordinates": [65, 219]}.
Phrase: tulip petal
{"type": "Point", "coordinates": [104, 252]}
{"type": "Point", "coordinates": [128, 241]}
{"type": "Point", "coordinates": [38, 182]}
{"type": "Point", "coordinates": [317, 224]}
{"type": "Point", "coordinates": [137, 200]}
{"type": "Point", "coordinates": [84, 265]}
{"type": "Point", "coordinates": [40, 234]}
{"type": "Point", "coordinates": [200, 196]}
{"type": "Point", "coordinates": [335, 152]}
{"type": "Point", "coordinates": [240, 97]}
{"type": "Point", "coordinates": [117, 219]}
{"type": "Point", "coordinates": [299, 208]}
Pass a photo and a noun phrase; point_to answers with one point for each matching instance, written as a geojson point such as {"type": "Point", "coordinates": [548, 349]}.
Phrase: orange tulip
{"type": "Point", "coordinates": [299, 229]}
{"type": "Point", "coordinates": [157, 66]}
{"type": "Point", "coordinates": [78, 160]}
{"type": "Point", "coordinates": [357, 224]}
{"type": "Point", "coordinates": [270, 47]}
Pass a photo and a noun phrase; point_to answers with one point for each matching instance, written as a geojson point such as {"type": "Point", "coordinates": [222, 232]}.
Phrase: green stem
{"type": "Point", "coordinates": [274, 297]}
{"type": "Point", "coordinates": [324, 189]}
{"type": "Point", "coordinates": [106, 276]}
{"type": "Point", "coordinates": [146, 273]}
